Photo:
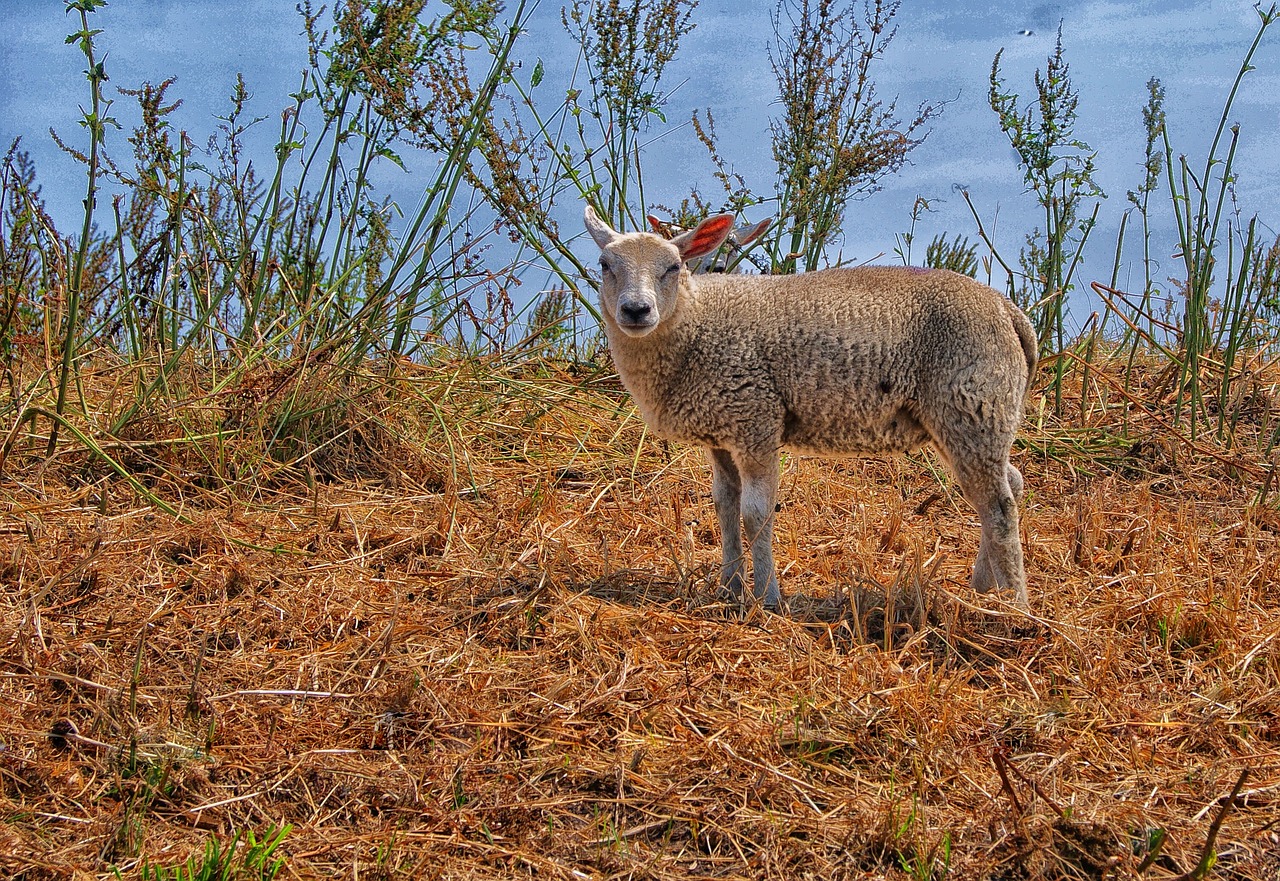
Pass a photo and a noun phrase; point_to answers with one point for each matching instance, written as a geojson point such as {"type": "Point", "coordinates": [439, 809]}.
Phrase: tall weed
{"type": "Point", "coordinates": [209, 261]}
{"type": "Point", "coordinates": [1199, 205]}
{"type": "Point", "coordinates": [836, 138]}
{"type": "Point", "coordinates": [1218, 342]}
{"type": "Point", "coordinates": [1059, 168]}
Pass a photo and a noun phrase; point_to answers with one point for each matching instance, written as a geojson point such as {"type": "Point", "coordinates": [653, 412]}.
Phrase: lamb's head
{"type": "Point", "coordinates": [643, 273]}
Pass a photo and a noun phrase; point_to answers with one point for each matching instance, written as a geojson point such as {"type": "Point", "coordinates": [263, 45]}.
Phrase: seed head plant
{"type": "Point", "coordinates": [27, 236]}
{"type": "Point", "coordinates": [836, 138]}
{"type": "Point", "coordinates": [626, 46]}
{"type": "Point", "coordinates": [1153, 122]}
{"type": "Point", "coordinates": [1058, 167]}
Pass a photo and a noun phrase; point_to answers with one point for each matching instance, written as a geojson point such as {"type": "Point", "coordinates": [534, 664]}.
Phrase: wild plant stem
{"type": "Point", "coordinates": [95, 123]}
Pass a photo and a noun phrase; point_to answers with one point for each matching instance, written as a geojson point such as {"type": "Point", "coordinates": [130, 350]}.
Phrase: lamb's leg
{"type": "Point", "coordinates": [759, 497]}
{"type": "Point", "coordinates": [974, 434]}
{"type": "Point", "coordinates": [726, 490]}
{"type": "Point", "coordinates": [993, 494]}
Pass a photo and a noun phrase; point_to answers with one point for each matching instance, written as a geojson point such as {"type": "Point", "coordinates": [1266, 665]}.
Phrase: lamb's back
{"type": "Point", "coordinates": [837, 361]}
{"type": "Point", "coordinates": [857, 326]}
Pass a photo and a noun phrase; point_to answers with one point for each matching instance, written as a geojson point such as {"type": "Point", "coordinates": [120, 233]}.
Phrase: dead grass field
{"type": "Point", "coordinates": [476, 635]}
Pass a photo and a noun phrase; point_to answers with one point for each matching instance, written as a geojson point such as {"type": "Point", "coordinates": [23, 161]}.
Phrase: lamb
{"type": "Point", "coordinates": [833, 362]}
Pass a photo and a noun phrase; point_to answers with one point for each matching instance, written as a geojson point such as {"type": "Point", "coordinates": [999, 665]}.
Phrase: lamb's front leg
{"type": "Point", "coordinates": [726, 490]}
{"type": "Point", "coordinates": [759, 497]}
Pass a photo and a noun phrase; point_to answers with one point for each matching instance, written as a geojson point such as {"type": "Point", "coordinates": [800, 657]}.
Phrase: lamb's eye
{"type": "Point", "coordinates": [671, 270]}
{"type": "Point", "coordinates": [605, 267]}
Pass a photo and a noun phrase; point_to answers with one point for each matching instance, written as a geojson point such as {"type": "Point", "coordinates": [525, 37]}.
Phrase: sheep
{"type": "Point", "coordinates": [730, 259]}
{"type": "Point", "coordinates": [834, 362]}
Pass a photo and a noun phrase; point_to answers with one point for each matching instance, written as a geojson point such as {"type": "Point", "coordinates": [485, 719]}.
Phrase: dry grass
{"type": "Point", "coordinates": [478, 638]}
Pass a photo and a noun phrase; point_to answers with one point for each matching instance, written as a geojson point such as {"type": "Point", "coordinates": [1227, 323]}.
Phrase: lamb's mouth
{"type": "Point", "coordinates": [637, 328]}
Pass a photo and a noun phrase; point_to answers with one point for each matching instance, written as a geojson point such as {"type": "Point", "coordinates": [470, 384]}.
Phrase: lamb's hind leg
{"type": "Point", "coordinates": [759, 497]}
{"type": "Point", "coordinates": [726, 490]}
{"type": "Point", "coordinates": [993, 492]}
{"type": "Point", "coordinates": [973, 428]}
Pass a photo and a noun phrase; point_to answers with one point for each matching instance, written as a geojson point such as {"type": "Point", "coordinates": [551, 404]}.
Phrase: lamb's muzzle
{"type": "Point", "coordinates": [838, 362]}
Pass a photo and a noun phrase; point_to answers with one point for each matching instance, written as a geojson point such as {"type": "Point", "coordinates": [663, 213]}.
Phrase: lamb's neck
{"type": "Point", "coordinates": [650, 357]}
{"type": "Point", "coordinates": [649, 365]}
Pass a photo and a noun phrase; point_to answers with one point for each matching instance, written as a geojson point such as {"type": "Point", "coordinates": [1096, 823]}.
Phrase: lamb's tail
{"type": "Point", "coordinates": [1027, 337]}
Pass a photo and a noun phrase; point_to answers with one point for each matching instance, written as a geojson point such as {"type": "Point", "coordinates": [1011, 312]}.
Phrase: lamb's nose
{"type": "Point", "coordinates": [636, 313]}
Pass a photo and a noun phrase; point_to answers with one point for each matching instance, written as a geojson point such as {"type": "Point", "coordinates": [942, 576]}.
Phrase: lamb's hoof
{"type": "Point", "coordinates": [748, 604]}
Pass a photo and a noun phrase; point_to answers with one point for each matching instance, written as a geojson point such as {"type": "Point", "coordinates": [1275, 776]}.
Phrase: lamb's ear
{"type": "Point", "coordinates": [657, 225]}
{"type": "Point", "coordinates": [600, 231]}
{"type": "Point", "coordinates": [749, 234]}
{"type": "Point", "coordinates": [704, 238]}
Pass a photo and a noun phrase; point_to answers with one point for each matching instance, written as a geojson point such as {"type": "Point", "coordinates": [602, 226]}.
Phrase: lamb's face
{"type": "Point", "coordinates": [641, 282]}
{"type": "Point", "coordinates": [643, 273]}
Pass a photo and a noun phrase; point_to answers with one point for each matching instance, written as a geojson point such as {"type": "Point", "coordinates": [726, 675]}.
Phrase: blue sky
{"type": "Point", "coordinates": [943, 51]}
